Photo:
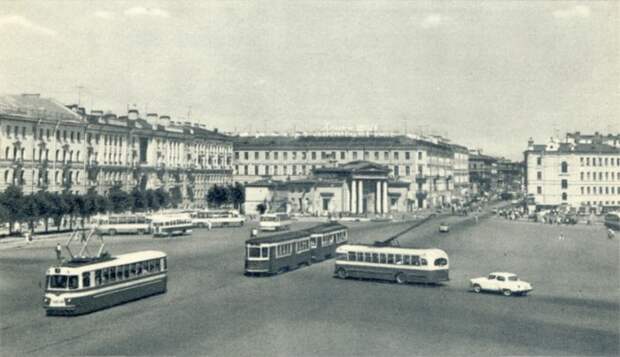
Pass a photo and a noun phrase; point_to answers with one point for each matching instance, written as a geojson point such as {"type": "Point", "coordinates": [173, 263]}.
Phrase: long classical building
{"type": "Point", "coordinates": [582, 171]}
{"type": "Point", "coordinates": [433, 173]}
{"type": "Point", "coordinates": [45, 145]}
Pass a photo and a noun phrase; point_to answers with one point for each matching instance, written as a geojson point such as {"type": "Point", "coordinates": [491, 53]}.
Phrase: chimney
{"type": "Point", "coordinates": [133, 114]}
{"type": "Point", "coordinates": [151, 118]}
{"type": "Point", "coordinates": [530, 144]}
{"type": "Point", "coordinates": [215, 130]}
{"type": "Point", "coordinates": [164, 120]}
{"type": "Point", "coordinates": [73, 107]}
{"type": "Point", "coordinates": [109, 116]}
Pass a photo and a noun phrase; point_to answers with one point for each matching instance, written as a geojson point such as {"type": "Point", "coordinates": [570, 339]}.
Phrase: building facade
{"type": "Point", "coordinates": [426, 167]}
{"type": "Point", "coordinates": [574, 174]}
{"type": "Point", "coordinates": [47, 146]}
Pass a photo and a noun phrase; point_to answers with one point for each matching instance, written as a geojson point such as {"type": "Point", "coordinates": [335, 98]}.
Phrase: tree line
{"type": "Point", "coordinates": [16, 207]}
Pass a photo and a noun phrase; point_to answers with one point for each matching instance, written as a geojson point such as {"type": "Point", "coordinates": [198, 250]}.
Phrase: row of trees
{"type": "Point", "coordinates": [231, 195]}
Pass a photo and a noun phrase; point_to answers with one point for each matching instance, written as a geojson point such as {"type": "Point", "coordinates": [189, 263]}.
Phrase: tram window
{"type": "Point", "coordinates": [156, 262]}
{"type": "Point", "coordinates": [415, 260]}
{"type": "Point", "coordinates": [58, 281]}
{"type": "Point", "coordinates": [113, 274]}
{"type": "Point", "coordinates": [73, 282]}
{"type": "Point", "coordinates": [265, 252]}
{"type": "Point", "coordinates": [313, 243]}
{"type": "Point", "coordinates": [423, 261]}
{"type": "Point", "coordinates": [86, 279]}
{"type": "Point", "coordinates": [406, 260]}
{"type": "Point", "coordinates": [352, 256]}
{"type": "Point", "coordinates": [441, 262]}
{"type": "Point", "coordinates": [368, 257]}
{"type": "Point", "coordinates": [375, 257]}
{"type": "Point", "coordinates": [98, 277]}
{"type": "Point", "coordinates": [132, 269]}
{"type": "Point", "coordinates": [382, 258]}
{"type": "Point", "coordinates": [151, 266]}
{"type": "Point", "coordinates": [126, 271]}
{"type": "Point", "coordinates": [138, 268]}
{"type": "Point", "coordinates": [254, 252]}
{"type": "Point", "coordinates": [398, 259]}
{"type": "Point", "coordinates": [164, 263]}
{"type": "Point", "coordinates": [360, 257]}
{"type": "Point", "coordinates": [106, 275]}
{"type": "Point", "coordinates": [390, 259]}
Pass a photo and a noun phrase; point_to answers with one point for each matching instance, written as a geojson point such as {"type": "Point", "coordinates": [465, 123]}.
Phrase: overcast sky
{"type": "Point", "coordinates": [485, 74]}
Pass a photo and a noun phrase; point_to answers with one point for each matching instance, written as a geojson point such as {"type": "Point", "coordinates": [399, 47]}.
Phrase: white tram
{"type": "Point", "coordinates": [84, 285]}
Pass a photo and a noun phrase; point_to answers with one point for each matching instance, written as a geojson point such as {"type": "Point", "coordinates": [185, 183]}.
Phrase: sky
{"type": "Point", "coordinates": [486, 75]}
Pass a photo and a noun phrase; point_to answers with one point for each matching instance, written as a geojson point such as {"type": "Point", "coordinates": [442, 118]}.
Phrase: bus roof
{"type": "Point", "coordinates": [90, 264]}
{"type": "Point", "coordinates": [390, 250]}
{"type": "Point", "coordinates": [292, 235]}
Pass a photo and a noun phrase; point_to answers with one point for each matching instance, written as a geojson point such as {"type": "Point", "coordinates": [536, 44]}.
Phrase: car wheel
{"type": "Point", "coordinates": [400, 278]}
{"type": "Point", "coordinates": [506, 292]}
{"type": "Point", "coordinates": [342, 274]}
{"type": "Point", "coordinates": [477, 288]}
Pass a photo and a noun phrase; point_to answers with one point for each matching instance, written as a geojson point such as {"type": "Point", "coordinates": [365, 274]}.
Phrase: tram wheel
{"type": "Point", "coordinates": [342, 274]}
{"type": "Point", "coordinates": [400, 278]}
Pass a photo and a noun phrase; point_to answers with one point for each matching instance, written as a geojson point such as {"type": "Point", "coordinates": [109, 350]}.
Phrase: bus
{"type": "Point", "coordinates": [219, 218]}
{"type": "Point", "coordinates": [281, 252]}
{"type": "Point", "coordinates": [127, 224]}
{"type": "Point", "coordinates": [169, 225]}
{"type": "Point", "coordinates": [402, 265]}
{"type": "Point", "coordinates": [83, 285]}
{"type": "Point", "coordinates": [612, 221]}
{"type": "Point", "coordinates": [275, 222]}
{"type": "Point", "coordinates": [4, 229]}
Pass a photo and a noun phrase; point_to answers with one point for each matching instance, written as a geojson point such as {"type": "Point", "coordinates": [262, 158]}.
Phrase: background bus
{"type": "Point", "coordinates": [170, 225]}
{"type": "Point", "coordinates": [402, 265]}
{"type": "Point", "coordinates": [612, 220]}
{"type": "Point", "coordinates": [275, 222]}
{"type": "Point", "coordinates": [218, 218]}
{"type": "Point", "coordinates": [284, 251]}
{"type": "Point", "coordinates": [84, 285]}
{"type": "Point", "coordinates": [127, 224]}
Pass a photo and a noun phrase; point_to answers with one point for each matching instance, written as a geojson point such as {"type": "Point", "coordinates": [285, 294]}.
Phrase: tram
{"type": "Point", "coordinates": [281, 252]}
{"type": "Point", "coordinates": [82, 285]}
{"type": "Point", "coordinates": [612, 221]}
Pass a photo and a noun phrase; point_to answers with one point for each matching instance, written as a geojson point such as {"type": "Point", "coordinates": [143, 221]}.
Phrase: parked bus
{"type": "Point", "coordinates": [84, 285]}
{"type": "Point", "coordinates": [612, 221]}
{"type": "Point", "coordinates": [4, 229]}
{"type": "Point", "coordinates": [169, 225]}
{"type": "Point", "coordinates": [219, 218]}
{"type": "Point", "coordinates": [402, 265]}
{"type": "Point", "coordinates": [275, 222]}
{"type": "Point", "coordinates": [128, 224]}
{"type": "Point", "coordinates": [284, 251]}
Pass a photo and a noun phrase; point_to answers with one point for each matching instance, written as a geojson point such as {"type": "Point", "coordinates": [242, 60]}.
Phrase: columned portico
{"type": "Point", "coordinates": [360, 196]}
{"type": "Point", "coordinates": [353, 197]}
{"type": "Point", "coordinates": [378, 205]}
{"type": "Point", "coordinates": [385, 197]}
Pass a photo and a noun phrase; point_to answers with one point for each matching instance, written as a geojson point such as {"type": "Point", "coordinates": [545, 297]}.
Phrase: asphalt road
{"type": "Point", "coordinates": [211, 308]}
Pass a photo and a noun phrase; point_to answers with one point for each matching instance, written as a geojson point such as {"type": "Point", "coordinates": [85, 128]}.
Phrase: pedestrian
{"type": "Point", "coordinates": [58, 252]}
{"type": "Point", "coordinates": [610, 233]}
{"type": "Point", "coordinates": [561, 237]}
{"type": "Point", "coordinates": [27, 237]}
{"type": "Point", "coordinates": [476, 218]}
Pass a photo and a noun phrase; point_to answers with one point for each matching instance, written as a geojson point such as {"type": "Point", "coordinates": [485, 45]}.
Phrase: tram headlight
{"type": "Point", "coordinates": [46, 300]}
{"type": "Point", "coordinates": [67, 300]}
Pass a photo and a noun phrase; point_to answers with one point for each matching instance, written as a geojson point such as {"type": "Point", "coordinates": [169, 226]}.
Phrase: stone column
{"type": "Point", "coordinates": [378, 203]}
{"type": "Point", "coordinates": [360, 196]}
{"type": "Point", "coordinates": [353, 197]}
{"type": "Point", "coordinates": [385, 197]}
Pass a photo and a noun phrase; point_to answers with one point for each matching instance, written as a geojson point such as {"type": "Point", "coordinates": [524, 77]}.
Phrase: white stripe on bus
{"type": "Point", "coordinates": [392, 266]}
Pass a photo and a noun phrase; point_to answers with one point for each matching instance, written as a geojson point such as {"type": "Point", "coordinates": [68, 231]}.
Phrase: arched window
{"type": "Point", "coordinates": [564, 196]}
{"type": "Point", "coordinates": [77, 156]}
{"type": "Point", "coordinates": [71, 156]}
{"type": "Point", "coordinates": [57, 155]}
{"type": "Point", "coordinates": [564, 167]}
{"type": "Point", "coordinates": [23, 151]}
{"type": "Point", "coordinates": [56, 177]}
{"type": "Point", "coordinates": [77, 177]}
{"type": "Point", "coordinates": [6, 176]}
{"type": "Point", "coordinates": [7, 153]}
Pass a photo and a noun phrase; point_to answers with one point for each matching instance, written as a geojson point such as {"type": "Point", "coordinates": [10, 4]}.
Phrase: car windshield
{"type": "Point", "coordinates": [513, 278]}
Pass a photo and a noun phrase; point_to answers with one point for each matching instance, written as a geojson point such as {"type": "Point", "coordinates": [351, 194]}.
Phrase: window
{"type": "Point", "coordinates": [354, 155]}
{"type": "Point", "coordinates": [539, 161]}
{"type": "Point", "coordinates": [396, 155]}
{"type": "Point", "coordinates": [314, 155]}
{"type": "Point", "coordinates": [420, 155]}
{"type": "Point", "coordinates": [564, 196]}
{"type": "Point", "coordinates": [342, 155]}
{"type": "Point", "coordinates": [539, 175]}
{"type": "Point", "coordinates": [564, 167]}
{"type": "Point", "coordinates": [441, 262]}
{"type": "Point", "coordinates": [283, 250]}
{"type": "Point", "coordinates": [501, 278]}
{"type": "Point", "coordinates": [539, 190]}
{"type": "Point", "coordinates": [564, 184]}
{"type": "Point", "coordinates": [351, 256]}
{"type": "Point", "coordinates": [407, 155]}
{"type": "Point", "coordinates": [303, 246]}
{"type": "Point", "coordinates": [382, 258]}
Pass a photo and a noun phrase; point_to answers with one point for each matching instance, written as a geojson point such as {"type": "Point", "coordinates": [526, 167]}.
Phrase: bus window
{"type": "Point", "coordinates": [423, 261]}
{"type": "Point", "coordinates": [164, 264]}
{"type": "Point", "coordinates": [156, 262]}
{"type": "Point", "coordinates": [106, 275]}
{"type": "Point", "coordinates": [415, 260]}
{"type": "Point", "coordinates": [368, 257]}
{"type": "Point", "coordinates": [360, 257]}
{"type": "Point", "coordinates": [390, 259]}
{"type": "Point", "coordinates": [441, 262]}
{"type": "Point", "coordinates": [352, 256]}
{"type": "Point", "coordinates": [138, 268]}
{"type": "Point", "coordinates": [73, 282]}
{"type": "Point", "coordinates": [86, 279]}
{"type": "Point", "coordinates": [151, 266]}
{"type": "Point", "coordinates": [382, 258]}
{"type": "Point", "coordinates": [398, 259]}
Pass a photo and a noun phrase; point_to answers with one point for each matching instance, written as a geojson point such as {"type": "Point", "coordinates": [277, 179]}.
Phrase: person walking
{"type": "Point", "coordinates": [58, 252]}
{"type": "Point", "coordinates": [610, 233]}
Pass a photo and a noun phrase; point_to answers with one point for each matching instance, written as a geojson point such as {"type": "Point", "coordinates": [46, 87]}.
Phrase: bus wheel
{"type": "Point", "coordinates": [342, 274]}
{"type": "Point", "coordinates": [477, 288]}
{"type": "Point", "coordinates": [506, 292]}
{"type": "Point", "coordinates": [112, 232]}
{"type": "Point", "coordinates": [400, 278]}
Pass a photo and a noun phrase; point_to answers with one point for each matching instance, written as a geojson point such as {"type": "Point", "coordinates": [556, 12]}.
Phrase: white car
{"type": "Point", "coordinates": [444, 228]}
{"type": "Point", "coordinates": [505, 283]}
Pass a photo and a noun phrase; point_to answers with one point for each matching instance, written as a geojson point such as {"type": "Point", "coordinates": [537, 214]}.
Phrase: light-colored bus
{"type": "Point", "coordinates": [127, 224]}
{"type": "Point", "coordinates": [275, 222]}
{"type": "Point", "coordinates": [4, 229]}
{"type": "Point", "coordinates": [84, 285]}
{"type": "Point", "coordinates": [217, 218]}
{"type": "Point", "coordinates": [170, 225]}
{"type": "Point", "coordinates": [402, 265]}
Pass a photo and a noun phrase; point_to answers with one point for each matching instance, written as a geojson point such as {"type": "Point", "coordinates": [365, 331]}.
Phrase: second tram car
{"type": "Point", "coordinates": [281, 252]}
{"type": "Point", "coordinates": [612, 221]}
{"type": "Point", "coordinates": [84, 285]}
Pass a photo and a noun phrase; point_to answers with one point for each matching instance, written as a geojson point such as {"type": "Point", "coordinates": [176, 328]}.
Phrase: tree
{"type": "Point", "coordinates": [30, 211]}
{"type": "Point", "coordinates": [44, 205]}
{"type": "Point", "coordinates": [59, 209]}
{"type": "Point", "coordinates": [120, 200]}
{"type": "Point", "coordinates": [261, 208]}
{"type": "Point", "coordinates": [70, 205]}
{"type": "Point", "coordinates": [89, 207]}
{"type": "Point", "coordinates": [4, 214]}
{"type": "Point", "coordinates": [151, 200]}
{"type": "Point", "coordinates": [237, 195]}
{"type": "Point", "coordinates": [176, 197]}
{"type": "Point", "coordinates": [217, 195]}
{"type": "Point", "coordinates": [163, 197]}
{"type": "Point", "coordinates": [139, 200]}
{"type": "Point", "coordinates": [12, 199]}
{"type": "Point", "coordinates": [102, 203]}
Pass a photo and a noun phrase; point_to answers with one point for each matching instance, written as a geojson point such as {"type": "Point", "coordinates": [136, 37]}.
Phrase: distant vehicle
{"type": "Point", "coordinates": [128, 224]}
{"type": "Point", "coordinates": [169, 225]}
{"type": "Point", "coordinates": [80, 286]}
{"type": "Point", "coordinates": [505, 283]}
{"type": "Point", "coordinates": [281, 252]}
{"type": "Point", "coordinates": [443, 228]}
{"type": "Point", "coordinates": [612, 221]}
{"type": "Point", "coordinates": [401, 265]}
{"type": "Point", "coordinates": [217, 218]}
{"type": "Point", "coordinates": [4, 229]}
{"type": "Point", "coordinates": [275, 222]}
